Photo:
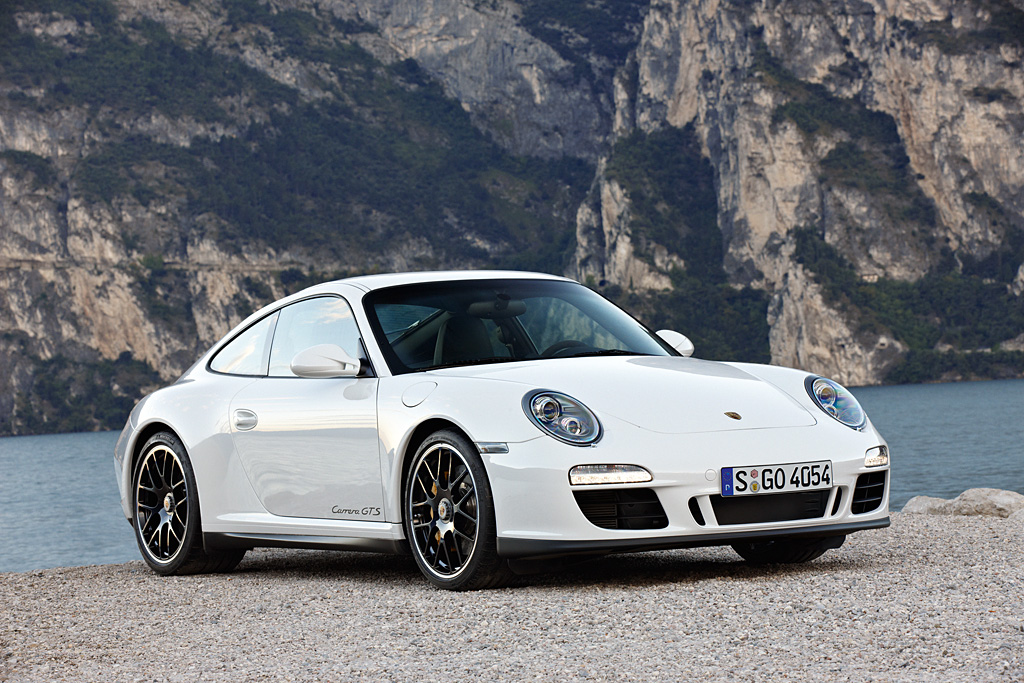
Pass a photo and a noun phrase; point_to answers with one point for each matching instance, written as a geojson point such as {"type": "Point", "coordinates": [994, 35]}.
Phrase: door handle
{"type": "Point", "coordinates": [245, 420]}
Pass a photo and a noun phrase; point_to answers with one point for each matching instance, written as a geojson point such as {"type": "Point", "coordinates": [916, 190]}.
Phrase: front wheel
{"type": "Point", "coordinates": [786, 550]}
{"type": "Point", "coordinates": [449, 516]}
{"type": "Point", "coordinates": [166, 520]}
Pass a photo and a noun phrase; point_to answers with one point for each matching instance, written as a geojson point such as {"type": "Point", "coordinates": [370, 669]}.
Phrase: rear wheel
{"type": "Point", "coordinates": [786, 550]}
{"type": "Point", "coordinates": [166, 520]}
{"type": "Point", "coordinates": [449, 516]}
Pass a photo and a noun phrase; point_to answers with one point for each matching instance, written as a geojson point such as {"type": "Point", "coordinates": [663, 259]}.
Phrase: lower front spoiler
{"type": "Point", "coordinates": [528, 548]}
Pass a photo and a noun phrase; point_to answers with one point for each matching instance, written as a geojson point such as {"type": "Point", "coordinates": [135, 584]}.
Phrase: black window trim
{"type": "Point", "coordinates": [366, 365]}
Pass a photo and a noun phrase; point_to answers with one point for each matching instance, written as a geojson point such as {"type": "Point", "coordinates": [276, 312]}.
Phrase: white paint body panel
{"type": "Point", "coordinates": [314, 452]}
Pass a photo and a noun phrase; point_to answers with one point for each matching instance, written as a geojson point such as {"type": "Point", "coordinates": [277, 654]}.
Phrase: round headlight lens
{"type": "Point", "coordinates": [546, 408]}
{"type": "Point", "coordinates": [563, 417]}
{"type": "Point", "coordinates": [837, 401]}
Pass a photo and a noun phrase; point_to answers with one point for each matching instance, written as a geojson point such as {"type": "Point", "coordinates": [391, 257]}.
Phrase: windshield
{"type": "Point", "coordinates": [445, 324]}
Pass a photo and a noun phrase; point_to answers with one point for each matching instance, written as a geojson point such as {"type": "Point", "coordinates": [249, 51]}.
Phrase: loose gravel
{"type": "Point", "coordinates": [929, 599]}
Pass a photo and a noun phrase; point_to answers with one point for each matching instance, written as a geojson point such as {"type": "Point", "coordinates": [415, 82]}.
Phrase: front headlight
{"type": "Point", "coordinates": [563, 417]}
{"type": "Point", "coordinates": [837, 401]}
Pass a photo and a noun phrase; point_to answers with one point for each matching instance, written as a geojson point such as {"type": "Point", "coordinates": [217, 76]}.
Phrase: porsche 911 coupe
{"type": "Point", "coordinates": [488, 423]}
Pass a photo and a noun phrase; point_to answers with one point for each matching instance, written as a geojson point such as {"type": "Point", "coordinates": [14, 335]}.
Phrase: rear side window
{"type": "Point", "coordinates": [247, 354]}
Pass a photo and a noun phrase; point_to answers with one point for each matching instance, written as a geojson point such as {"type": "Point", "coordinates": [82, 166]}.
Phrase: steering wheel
{"type": "Point", "coordinates": [559, 346]}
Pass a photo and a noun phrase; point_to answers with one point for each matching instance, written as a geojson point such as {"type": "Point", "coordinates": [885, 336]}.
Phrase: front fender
{"type": "Point", "coordinates": [485, 410]}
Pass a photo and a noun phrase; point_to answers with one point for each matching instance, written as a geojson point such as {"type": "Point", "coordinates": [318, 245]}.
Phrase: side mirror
{"type": "Point", "coordinates": [325, 360]}
{"type": "Point", "coordinates": [679, 342]}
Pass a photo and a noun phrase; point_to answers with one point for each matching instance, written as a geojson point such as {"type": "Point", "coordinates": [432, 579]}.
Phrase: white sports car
{"type": "Point", "coordinates": [488, 423]}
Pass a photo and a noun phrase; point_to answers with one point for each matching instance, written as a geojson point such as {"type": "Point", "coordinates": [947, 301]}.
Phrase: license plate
{"type": "Point", "coordinates": [801, 476]}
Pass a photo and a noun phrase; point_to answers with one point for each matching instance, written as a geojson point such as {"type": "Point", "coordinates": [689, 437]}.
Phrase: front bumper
{"type": "Point", "coordinates": [538, 515]}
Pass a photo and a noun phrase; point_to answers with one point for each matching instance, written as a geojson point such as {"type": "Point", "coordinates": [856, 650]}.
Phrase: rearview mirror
{"type": "Point", "coordinates": [325, 360]}
{"type": "Point", "coordinates": [679, 342]}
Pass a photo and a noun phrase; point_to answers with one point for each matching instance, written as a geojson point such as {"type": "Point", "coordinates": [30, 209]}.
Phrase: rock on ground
{"type": "Point", "coordinates": [994, 502]}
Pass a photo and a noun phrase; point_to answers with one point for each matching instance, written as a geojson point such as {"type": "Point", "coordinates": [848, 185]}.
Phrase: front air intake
{"type": "Point", "coordinates": [622, 508]}
{"type": "Point", "coordinates": [779, 507]}
{"type": "Point", "coordinates": [868, 494]}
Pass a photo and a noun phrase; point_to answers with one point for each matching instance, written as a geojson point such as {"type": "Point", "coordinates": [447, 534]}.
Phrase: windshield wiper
{"type": "Point", "coordinates": [607, 352]}
{"type": "Point", "coordinates": [475, 361]}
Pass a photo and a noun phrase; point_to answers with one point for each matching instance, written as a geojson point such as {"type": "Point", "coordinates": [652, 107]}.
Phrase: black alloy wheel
{"type": "Point", "coordinates": [449, 516]}
{"type": "Point", "coordinates": [166, 512]}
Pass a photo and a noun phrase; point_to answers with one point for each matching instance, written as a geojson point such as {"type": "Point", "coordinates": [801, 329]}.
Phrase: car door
{"type": "Point", "coordinates": [310, 446]}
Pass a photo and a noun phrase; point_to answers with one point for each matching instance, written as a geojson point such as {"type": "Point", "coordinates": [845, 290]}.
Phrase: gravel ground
{"type": "Point", "coordinates": [931, 598]}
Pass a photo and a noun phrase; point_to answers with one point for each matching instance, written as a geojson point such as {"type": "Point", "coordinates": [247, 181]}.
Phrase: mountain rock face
{"type": "Point", "coordinates": [836, 186]}
{"type": "Point", "coordinates": [777, 89]}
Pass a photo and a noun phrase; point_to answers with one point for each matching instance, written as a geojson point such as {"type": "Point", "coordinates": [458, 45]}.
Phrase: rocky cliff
{"type": "Point", "coordinates": [891, 130]}
{"type": "Point", "coordinates": [837, 186]}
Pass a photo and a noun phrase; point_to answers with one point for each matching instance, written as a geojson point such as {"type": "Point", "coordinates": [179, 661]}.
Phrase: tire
{"type": "Point", "coordinates": [166, 520]}
{"type": "Point", "coordinates": [786, 550]}
{"type": "Point", "coordinates": [449, 516]}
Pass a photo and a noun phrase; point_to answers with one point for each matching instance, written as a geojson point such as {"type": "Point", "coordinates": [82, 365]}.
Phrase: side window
{"type": "Point", "coordinates": [246, 354]}
{"type": "Point", "coordinates": [325, 320]}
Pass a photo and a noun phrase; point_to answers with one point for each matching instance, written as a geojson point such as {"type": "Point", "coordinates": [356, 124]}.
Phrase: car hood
{"type": "Point", "coordinates": [665, 394]}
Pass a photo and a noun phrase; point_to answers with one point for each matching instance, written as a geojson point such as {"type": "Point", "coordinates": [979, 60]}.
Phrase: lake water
{"type": "Point", "coordinates": [59, 502]}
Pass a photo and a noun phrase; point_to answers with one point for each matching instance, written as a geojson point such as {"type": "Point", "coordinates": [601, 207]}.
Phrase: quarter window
{"type": "Point", "coordinates": [246, 354]}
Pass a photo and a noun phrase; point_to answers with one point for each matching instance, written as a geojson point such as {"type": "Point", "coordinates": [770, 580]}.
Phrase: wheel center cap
{"type": "Point", "coordinates": [169, 502]}
{"type": "Point", "coordinates": [445, 510]}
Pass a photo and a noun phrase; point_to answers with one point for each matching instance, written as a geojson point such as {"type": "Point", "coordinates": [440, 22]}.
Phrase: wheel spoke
{"type": "Point", "coordinates": [160, 466]}
{"type": "Point", "coordinates": [464, 498]}
{"type": "Point", "coordinates": [147, 472]}
{"type": "Point", "coordinates": [437, 550]}
{"type": "Point", "coordinates": [447, 555]}
{"type": "Point", "coordinates": [448, 471]}
{"type": "Point", "coordinates": [458, 555]}
{"type": "Point", "coordinates": [152, 537]}
{"type": "Point", "coordinates": [458, 480]}
{"type": "Point", "coordinates": [423, 486]}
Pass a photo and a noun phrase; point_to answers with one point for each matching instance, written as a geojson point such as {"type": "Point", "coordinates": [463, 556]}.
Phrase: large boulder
{"type": "Point", "coordinates": [991, 502]}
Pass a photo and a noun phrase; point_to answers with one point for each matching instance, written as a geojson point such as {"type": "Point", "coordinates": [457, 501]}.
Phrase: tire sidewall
{"type": "Point", "coordinates": [483, 549]}
{"type": "Point", "coordinates": [192, 525]}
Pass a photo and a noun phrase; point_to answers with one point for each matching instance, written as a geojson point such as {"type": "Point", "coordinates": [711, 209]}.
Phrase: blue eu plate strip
{"type": "Point", "coordinates": [726, 481]}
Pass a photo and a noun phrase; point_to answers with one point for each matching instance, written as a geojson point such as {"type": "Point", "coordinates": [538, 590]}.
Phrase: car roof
{"type": "Point", "coordinates": [371, 282]}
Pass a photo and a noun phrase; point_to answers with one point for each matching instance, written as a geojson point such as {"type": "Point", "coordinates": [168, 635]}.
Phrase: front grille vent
{"type": "Point", "coordinates": [778, 507]}
{"type": "Point", "coordinates": [868, 494]}
{"type": "Point", "coordinates": [622, 508]}
{"type": "Point", "coordinates": [839, 502]}
{"type": "Point", "coordinates": [698, 516]}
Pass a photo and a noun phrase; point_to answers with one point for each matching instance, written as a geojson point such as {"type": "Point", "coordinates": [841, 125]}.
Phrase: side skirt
{"type": "Point", "coordinates": [236, 541]}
